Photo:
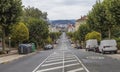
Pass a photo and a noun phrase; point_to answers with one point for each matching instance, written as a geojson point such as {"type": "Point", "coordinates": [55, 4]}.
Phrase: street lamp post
{"type": "Point", "coordinates": [9, 43]}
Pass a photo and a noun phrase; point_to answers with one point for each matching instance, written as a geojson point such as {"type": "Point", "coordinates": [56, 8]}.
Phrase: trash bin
{"type": "Point", "coordinates": [24, 49]}
{"type": "Point", "coordinates": [29, 46]}
{"type": "Point", "coordinates": [33, 47]}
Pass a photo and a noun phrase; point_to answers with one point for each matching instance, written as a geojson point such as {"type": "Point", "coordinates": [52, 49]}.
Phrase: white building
{"type": "Point", "coordinates": [70, 28]}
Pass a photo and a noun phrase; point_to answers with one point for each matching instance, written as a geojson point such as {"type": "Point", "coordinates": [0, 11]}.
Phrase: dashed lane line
{"type": "Point", "coordinates": [63, 62]}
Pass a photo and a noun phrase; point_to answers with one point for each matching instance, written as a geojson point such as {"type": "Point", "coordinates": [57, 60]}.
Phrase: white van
{"type": "Point", "coordinates": [91, 45]}
{"type": "Point", "coordinates": [108, 46]}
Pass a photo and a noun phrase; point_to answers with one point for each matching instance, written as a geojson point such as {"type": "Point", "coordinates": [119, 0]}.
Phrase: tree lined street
{"type": "Point", "coordinates": [31, 41]}
{"type": "Point", "coordinates": [63, 58]}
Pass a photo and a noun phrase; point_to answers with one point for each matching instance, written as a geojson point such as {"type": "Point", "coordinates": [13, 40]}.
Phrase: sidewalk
{"type": "Point", "coordinates": [10, 53]}
{"type": "Point", "coordinates": [12, 57]}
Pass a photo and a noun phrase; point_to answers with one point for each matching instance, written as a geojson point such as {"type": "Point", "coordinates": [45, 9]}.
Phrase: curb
{"type": "Point", "coordinates": [20, 57]}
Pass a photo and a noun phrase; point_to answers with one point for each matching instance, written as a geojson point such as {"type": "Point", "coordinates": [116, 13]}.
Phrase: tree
{"type": "Point", "coordinates": [97, 18]}
{"type": "Point", "coordinates": [19, 33]}
{"type": "Point", "coordinates": [104, 17]}
{"type": "Point", "coordinates": [38, 32]}
{"type": "Point", "coordinates": [93, 35]}
{"type": "Point", "coordinates": [112, 14]}
{"type": "Point", "coordinates": [36, 21]}
{"type": "Point", "coordinates": [82, 31]}
{"type": "Point", "coordinates": [54, 35]}
{"type": "Point", "coordinates": [10, 12]}
{"type": "Point", "coordinates": [31, 13]}
{"type": "Point", "coordinates": [49, 40]}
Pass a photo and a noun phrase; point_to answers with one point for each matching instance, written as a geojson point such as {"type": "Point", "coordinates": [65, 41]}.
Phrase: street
{"type": "Point", "coordinates": [63, 58]}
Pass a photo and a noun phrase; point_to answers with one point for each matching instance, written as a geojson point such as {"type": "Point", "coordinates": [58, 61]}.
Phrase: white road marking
{"type": "Point", "coordinates": [41, 64]}
{"type": "Point", "coordinates": [57, 63]}
{"type": "Point", "coordinates": [55, 58]}
{"type": "Point", "coordinates": [75, 70]}
{"type": "Point", "coordinates": [63, 62]}
{"type": "Point", "coordinates": [69, 56]}
{"type": "Point", "coordinates": [82, 64]}
{"type": "Point", "coordinates": [54, 68]}
{"type": "Point", "coordinates": [60, 59]}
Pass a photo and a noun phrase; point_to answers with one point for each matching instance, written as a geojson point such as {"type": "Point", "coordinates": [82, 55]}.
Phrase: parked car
{"type": "Point", "coordinates": [108, 46]}
{"type": "Point", "coordinates": [91, 45]}
{"type": "Point", "coordinates": [48, 46]}
{"type": "Point", "coordinates": [78, 46]}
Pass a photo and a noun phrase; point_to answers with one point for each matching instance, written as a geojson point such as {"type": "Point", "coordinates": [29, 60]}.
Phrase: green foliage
{"type": "Point", "coordinates": [49, 40]}
{"type": "Point", "coordinates": [38, 32]}
{"type": "Point", "coordinates": [118, 42]}
{"type": "Point", "coordinates": [54, 35]}
{"type": "Point", "coordinates": [97, 20]}
{"type": "Point", "coordinates": [80, 34]}
{"type": "Point", "coordinates": [19, 32]}
{"type": "Point", "coordinates": [112, 11]}
{"type": "Point", "coordinates": [70, 34]}
{"type": "Point", "coordinates": [31, 13]}
{"type": "Point", "coordinates": [36, 21]}
{"type": "Point", "coordinates": [10, 12]}
{"type": "Point", "coordinates": [76, 36]}
{"type": "Point", "coordinates": [104, 16]}
{"type": "Point", "coordinates": [93, 35]}
{"type": "Point", "coordinates": [82, 31]}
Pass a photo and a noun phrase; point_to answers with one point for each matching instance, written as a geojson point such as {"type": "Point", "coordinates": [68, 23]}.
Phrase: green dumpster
{"type": "Point", "coordinates": [33, 47]}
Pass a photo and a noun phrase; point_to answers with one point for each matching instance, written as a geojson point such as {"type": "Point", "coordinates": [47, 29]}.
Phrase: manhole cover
{"type": "Point", "coordinates": [95, 57]}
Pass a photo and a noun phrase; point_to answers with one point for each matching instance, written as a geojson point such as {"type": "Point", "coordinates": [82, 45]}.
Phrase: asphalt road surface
{"type": "Point", "coordinates": [63, 58]}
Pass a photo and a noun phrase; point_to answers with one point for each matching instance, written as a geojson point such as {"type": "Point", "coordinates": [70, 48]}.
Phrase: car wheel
{"type": "Point", "coordinates": [115, 52]}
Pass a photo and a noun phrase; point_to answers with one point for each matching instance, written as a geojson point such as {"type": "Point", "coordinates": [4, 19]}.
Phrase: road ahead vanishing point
{"type": "Point", "coordinates": [63, 58]}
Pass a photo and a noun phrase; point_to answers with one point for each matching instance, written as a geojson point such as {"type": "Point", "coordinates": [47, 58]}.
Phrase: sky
{"type": "Point", "coordinates": [62, 9]}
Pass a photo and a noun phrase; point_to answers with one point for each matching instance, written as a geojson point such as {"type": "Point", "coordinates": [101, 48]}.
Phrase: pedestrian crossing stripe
{"type": "Point", "coordinates": [59, 59]}
{"type": "Point", "coordinates": [54, 68]}
{"type": "Point", "coordinates": [58, 63]}
{"type": "Point", "coordinates": [75, 70]}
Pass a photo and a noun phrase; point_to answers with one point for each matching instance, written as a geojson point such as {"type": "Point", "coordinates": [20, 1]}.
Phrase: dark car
{"type": "Point", "coordinates": [78, 46]}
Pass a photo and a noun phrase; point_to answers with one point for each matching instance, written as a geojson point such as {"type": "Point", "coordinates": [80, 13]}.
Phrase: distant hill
{"type": "Point", "coordinates": [63, 21]}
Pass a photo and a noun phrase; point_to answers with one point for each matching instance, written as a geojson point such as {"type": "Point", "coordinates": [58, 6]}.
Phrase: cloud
{"type": "Point", "coordinates": [62, 9]}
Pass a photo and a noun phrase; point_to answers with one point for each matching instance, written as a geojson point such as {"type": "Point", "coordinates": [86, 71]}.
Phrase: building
{"type": "Point", "coordinates": [70, 28]}
{"type": "Point", "coordinates": [80, 21]}
{"type": "Point", "coordinates": [53, 28]}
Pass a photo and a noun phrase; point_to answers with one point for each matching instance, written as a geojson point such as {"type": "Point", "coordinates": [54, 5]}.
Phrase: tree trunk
{"type": "Point", "coordinates": [3, 39]}
{"type": "Point", "coordinates": [101, 34]}
{"type": "Point", "coordinates": [109, 33]}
